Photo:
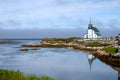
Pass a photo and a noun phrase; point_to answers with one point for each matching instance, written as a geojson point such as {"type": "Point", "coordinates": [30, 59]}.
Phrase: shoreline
{"type": "Point", "coordinates": [111, 59]}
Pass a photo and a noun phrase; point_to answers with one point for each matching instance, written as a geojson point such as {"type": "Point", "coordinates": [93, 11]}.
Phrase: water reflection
{"type": "Point", "coordinates": [118, 74]}
{"type": "Point", "coordinates": [109, 63]}
{"type": "Point", "coordinates": [91, 58]}
{"type": "Point", "coordinates": [60, 63]}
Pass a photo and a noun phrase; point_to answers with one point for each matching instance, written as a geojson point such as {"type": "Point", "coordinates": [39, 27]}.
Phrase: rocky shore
{"type": "Point", "coordinates": [111, 59]}
{"type": "Point", "coordinates": [74, 46]}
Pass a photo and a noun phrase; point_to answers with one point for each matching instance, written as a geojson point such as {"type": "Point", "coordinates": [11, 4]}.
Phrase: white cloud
{"type": "Point", "coordinates": [59, 15]}
{"type": "Point", "coordinates": [48, 13]}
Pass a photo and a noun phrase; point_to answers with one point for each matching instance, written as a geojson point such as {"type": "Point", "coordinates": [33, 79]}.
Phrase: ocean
{"type": "Point", "coordinates": [59, 63]}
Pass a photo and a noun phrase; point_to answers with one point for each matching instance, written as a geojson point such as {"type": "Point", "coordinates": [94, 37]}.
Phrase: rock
{"type": "Point", "coordinates": [24, 49]}
{"type": "Point", "coordinates": [31, 45]}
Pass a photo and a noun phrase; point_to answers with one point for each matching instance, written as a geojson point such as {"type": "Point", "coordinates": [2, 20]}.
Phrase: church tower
{"type": "Point", "coordinates": [90, 29]}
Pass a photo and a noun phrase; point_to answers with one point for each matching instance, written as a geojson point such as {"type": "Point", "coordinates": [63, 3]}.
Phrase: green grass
{"type": "Point", "coordinates": [17, 75]}
{"type": "Point", "coordinates": [80, 42]}
{"type": "Point", "coordinates": [96, 44]}
{"type": "Point", "coordinates": [63, 40]}
{"type": "Point", "coordinates": [110, 49]}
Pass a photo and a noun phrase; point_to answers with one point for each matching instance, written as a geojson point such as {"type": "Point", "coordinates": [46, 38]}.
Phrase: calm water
{"type": "Point", "coordinates": [59, 63]}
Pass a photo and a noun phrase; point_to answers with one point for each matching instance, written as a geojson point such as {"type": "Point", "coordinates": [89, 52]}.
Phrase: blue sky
{"type": "Point", "coordinates": [41, 18]}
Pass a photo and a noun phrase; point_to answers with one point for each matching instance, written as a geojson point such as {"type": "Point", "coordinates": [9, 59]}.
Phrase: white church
{"type": "Point", "coordinates": [92, 32]}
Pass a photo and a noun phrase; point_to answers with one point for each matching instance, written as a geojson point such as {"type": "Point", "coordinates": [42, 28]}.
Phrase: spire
{"type": "Point", "coordinates": [90, 20]}
{"type": "Point", "coordinates": [90, 24]}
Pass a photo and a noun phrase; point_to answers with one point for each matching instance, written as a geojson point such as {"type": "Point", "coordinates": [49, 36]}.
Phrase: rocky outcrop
{"type": "Point", "coordinates": [24, 49]}
{"type": "Point", "coordinates": [110, 59]}
{"type": "Point", "coordinates": [113, 60]}
{"type": "Point", "coordinates": [32, 45]}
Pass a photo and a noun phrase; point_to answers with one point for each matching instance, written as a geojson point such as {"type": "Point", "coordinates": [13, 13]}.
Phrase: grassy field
{"type": "Point", "coordinates": [17, 75]}
{"type": "Point", "coordinates": [110, 49]}
{"type": "Point", "coordinates": [96, 44]}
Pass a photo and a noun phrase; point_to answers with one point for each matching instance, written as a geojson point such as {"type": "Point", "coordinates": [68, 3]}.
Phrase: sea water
{"type": "Point", "coordinates": [59, 63]}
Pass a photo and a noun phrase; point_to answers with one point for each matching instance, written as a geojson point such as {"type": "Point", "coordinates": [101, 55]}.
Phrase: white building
{"type": "Point", "coordinates": [92, 32]}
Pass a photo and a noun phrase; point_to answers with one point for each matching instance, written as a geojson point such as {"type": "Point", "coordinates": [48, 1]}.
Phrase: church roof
{"type": "Point", "coordinates": [93, 28]}
{"type": "Point", "coordinates": [90, 26]}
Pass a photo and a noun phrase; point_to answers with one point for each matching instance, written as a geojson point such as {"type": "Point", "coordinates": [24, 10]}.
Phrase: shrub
{"type": "Point", "coordinates": [17, 75]}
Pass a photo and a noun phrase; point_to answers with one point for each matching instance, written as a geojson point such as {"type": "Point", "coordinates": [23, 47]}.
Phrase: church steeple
{"type": "Point", "coordinates": [90, 20]}
{"type": "Point", "coordinates": [90, 24]}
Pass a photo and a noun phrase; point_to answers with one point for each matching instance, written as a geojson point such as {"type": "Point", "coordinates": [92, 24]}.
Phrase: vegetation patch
{"type": "Point", "coordinates": [16, 75]}
{"type": "Point", "coordinates": [60, 40]}
{"type": "Point", "coordinates": [79, 42]}
{"type": "Point", "coordinates": [96, 44]}
{"type": "Point", "coordinates": [110, 49]}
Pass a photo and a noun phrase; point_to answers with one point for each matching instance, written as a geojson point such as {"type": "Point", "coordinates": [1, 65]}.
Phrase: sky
{"type": "Point", "coordinates": [57, 18]}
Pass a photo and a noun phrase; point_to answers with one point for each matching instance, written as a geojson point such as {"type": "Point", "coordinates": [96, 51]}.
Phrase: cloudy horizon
{"type": "Point", "coordinates": [57, 18]}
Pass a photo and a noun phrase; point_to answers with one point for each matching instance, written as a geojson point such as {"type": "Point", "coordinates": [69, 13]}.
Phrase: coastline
{"type": "Point", "coordinates": [111, 59]}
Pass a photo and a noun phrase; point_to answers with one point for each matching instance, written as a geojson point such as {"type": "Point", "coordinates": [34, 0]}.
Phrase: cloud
{"type": "Point", "coordinates": [53, 8]}
{"type": "Point", "coordinates": [1, 24]}
{"type": "Point", "coordinates": [59, 14]}
{"type": "Point", "coordinates": [40, 33]}
{"type": "Point", "coordinates": [45, 33]}
{"type": "Point", "coordinates": [10, 24]}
